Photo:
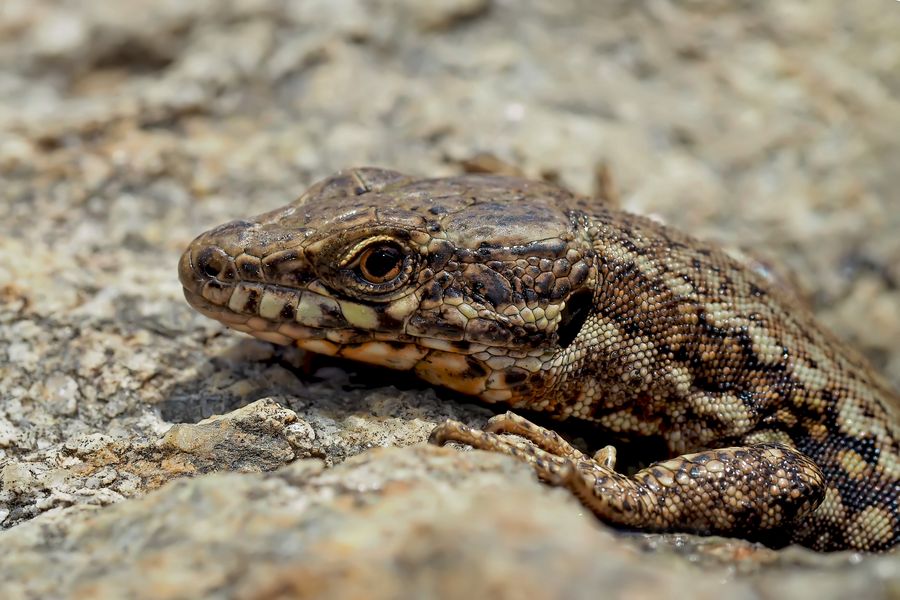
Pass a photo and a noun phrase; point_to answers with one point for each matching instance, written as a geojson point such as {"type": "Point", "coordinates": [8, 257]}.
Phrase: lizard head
{"type": "Point", "coordinates": [477, 283]}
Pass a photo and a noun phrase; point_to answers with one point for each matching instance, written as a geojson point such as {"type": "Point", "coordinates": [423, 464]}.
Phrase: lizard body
{"type": "Point", "coordinates": [523, 293]}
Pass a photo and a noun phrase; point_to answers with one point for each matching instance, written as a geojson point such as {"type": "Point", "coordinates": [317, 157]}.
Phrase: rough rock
{"type": "Point", "coordinates": [392, 523]}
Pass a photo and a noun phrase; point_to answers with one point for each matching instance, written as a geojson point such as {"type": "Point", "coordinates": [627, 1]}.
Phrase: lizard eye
{"type": "Point", "coordinates": [377, 267]}
{"type": "Point", "coordinates": [380, 263]}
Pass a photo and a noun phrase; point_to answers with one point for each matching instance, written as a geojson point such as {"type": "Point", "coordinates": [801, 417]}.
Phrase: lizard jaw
{"type": "Point", "coordinates": [446, 367]}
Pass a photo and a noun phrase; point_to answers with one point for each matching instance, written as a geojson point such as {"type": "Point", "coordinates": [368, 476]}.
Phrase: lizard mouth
{"type": "Point", "coordinates": [269, 311]}
{"type": "Point", "coordinates": [276, 331]}
{"type": "Point", "coordinates": [274, 314]}
{"type": "Point", "coordinates": [307, 316]}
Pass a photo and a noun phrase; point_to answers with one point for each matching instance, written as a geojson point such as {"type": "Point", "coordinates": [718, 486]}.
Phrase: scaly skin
{"type": "Point", "coordinates": [520, 292]}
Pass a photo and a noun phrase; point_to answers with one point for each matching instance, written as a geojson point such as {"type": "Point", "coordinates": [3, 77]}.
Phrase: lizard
{"type": "Point", "coordinates": [521, 292]}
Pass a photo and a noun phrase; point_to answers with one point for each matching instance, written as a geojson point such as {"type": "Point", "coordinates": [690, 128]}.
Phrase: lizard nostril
{"type": "Point", "coordinates": [212, 262]}
{"type": "Point", "coordinates": [209, 270]}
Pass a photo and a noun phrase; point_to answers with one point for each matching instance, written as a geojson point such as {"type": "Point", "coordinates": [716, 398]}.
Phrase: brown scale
{"type": "Point", "coordinates": [520, 292]}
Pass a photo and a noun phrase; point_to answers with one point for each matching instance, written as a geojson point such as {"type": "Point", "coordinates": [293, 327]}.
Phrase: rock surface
{"type": "Point", "coordinates": [126, 128]}
{"type": "Point", "coordinates": [390, 523]}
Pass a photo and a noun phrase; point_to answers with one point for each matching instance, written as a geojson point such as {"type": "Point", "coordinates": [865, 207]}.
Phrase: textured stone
{"type": "Point", "coordinates": [399, 523]}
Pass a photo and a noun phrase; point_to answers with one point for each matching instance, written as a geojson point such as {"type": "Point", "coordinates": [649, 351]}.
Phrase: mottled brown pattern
{"type": "Point", "coordinates": [520, 292]}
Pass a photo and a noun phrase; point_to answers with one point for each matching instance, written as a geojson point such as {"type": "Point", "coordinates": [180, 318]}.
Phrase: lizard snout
{"type": "Point", "coordinates": [206, 260]}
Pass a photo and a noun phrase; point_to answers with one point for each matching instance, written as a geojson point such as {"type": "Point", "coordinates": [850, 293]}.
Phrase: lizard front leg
{"type": "Point", "coordinates": [732, 491]}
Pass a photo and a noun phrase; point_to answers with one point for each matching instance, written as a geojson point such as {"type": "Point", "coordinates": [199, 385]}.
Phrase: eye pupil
{"type": "Point", "coordinates": [381, 263]}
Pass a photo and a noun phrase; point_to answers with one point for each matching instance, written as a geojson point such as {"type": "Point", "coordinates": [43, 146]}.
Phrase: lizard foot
{"type": "Point", "coordinates": [732, 491]}
{"type": "Point", "coordinates": [546, 439]}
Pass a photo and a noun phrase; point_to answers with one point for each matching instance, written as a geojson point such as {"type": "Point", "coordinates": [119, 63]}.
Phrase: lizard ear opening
{"type": "Point", "coordinates": [573, 316]}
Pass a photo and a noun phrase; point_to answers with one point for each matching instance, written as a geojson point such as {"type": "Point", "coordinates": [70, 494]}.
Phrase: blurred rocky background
{"type": "Point", "coordinates": [128, 127]}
